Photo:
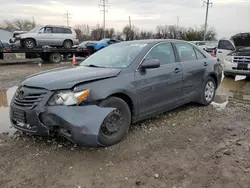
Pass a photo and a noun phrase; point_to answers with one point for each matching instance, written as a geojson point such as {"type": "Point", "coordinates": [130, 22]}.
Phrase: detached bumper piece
{"type": "Point", "coordinates": [79, 124]}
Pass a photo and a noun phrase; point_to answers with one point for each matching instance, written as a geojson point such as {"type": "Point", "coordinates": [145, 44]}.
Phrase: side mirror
{"type": "Point", "coordinates": [150, 64]}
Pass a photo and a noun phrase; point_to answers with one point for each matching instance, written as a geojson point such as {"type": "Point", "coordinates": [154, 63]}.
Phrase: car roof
{"type": "Point", "coordinates": [56, 26]}
{"type": "Point", "coordinates": [153, 41]}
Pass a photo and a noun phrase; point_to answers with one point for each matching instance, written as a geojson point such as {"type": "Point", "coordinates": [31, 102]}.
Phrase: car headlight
{"type": "Point", "coordinates": [229, 58]}
{"type": "Point", "coordinates": [68, 98]}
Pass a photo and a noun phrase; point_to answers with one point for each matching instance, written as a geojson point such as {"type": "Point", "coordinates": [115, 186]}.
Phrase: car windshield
{"type": "Point", "coordinates": [244, 48]}
{"type": "Point", "coordinates": [34, 30]}
{"type": "Point", "coordinates": [118, 55]}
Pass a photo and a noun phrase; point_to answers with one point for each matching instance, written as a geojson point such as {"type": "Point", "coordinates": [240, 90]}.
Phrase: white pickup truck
{"type": "Point", "coordinates": [235, 54]}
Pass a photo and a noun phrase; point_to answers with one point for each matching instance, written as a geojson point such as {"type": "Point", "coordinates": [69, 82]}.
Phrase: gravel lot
{"type": "Point", "coordinates": [190, 147]}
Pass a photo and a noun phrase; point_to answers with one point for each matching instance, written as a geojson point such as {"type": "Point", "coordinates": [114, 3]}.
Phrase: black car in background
{"type": "Point", "coordinates": [96, 102]}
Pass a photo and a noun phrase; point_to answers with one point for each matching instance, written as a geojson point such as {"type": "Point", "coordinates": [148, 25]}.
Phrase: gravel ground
{"type": "Point", "coordinates": [190, 147]}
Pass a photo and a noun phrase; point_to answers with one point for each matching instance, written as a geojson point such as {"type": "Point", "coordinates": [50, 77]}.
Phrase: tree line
{"type": "Point", "coordinates": [85, 32]}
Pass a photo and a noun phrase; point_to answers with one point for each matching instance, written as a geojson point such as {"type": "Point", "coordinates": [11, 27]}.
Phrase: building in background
{"type": "Point", "coordinates": [5, 35]}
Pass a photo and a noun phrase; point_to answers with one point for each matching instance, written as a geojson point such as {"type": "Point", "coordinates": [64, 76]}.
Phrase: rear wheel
{"type": "Point", "coordinates": [67, 44]}
{"type": "Point", "coordinates": [55, 58]}
{"type": "Point", "coordinates": [116, 125]}
{"type": "Point", "coordinates": [208, 91]}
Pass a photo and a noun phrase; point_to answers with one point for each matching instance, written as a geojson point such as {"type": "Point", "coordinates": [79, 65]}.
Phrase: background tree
{"type": "Point", "coordinates": [130, 33]}
{"type": "Point", "coordinates": [83, 32]}
{"type": "Point", "coordinates": [18, 25]}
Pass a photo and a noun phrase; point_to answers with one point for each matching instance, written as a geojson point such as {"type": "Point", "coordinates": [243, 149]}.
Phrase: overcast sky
{"type": "Point", "coordinates": [227, 16]}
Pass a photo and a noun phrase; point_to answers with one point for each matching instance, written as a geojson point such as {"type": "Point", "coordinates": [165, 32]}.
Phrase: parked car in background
{"type": "Point", "coordinates": [52, 35]}
{"type": "Point", "coordinates": [211, 46]}
{"type": "Point", "coordinates": [200, 44]}
{"type": "Point", "coordinates": [96, 102]}
{"type": "Point", "coordinates": [4, 45]}
{"type": "Point", "coordinates": [98, 45]}
{"type": "Point", "coordinates": [83, 44]}
{"type": "Point", "coordinates": [234, 53]}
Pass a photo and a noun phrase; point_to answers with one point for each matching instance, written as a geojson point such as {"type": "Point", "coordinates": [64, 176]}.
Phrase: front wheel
{"type": "Point", "coordinates": [116, 125]}
{"type": "Point", "coordinates": [29, 43]}
{"type": "Point", "coordinates": [208, 92]}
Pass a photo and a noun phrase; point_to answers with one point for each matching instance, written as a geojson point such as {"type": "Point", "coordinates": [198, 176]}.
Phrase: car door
{"type": "Point", "coordinates": [45, 36]}
{"type": "Point", "coordinates": [224, 47]}
{"type": "Point", "coordinates": [194, 64]}
{"type": "Point", "coordinates": [58, 34]}
{"type": "Point", "coordinates": [159, 88]}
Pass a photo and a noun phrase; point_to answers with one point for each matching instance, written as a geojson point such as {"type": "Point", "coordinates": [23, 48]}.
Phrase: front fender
{"type": "Point", "coordinates": [83, 122]}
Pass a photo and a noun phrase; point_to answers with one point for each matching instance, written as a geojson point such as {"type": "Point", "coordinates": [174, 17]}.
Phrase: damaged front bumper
{"type": "Point", "coordinates": [79, 124]}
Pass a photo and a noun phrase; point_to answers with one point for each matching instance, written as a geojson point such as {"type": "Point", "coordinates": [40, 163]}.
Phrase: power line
{"type": "Point", "coordinates": [68, 18]}
{"type": "Point", "coordinates": [208, 3]}
{"type": "Point", "coordinates": [104, 5]}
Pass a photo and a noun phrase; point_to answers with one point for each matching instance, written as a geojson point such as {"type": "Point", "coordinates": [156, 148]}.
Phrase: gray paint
{"type": "Point", "coordinates": [151, 91]}
{"type": "Point", "coordinates": [5, 35]}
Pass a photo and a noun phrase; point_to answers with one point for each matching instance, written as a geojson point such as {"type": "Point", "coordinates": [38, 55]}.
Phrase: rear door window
{"type": "Point", "coordinates": [186, 51]}
{"type": "Point", "coordinates": [57, 30]}
{"type": "Point", "coordinates": [225, 45]}
{"type": "Point", "coordinates": [199, 54]}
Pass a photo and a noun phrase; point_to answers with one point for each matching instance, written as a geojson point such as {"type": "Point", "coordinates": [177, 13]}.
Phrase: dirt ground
{"type": "Point", "coordinates": [190, 147]}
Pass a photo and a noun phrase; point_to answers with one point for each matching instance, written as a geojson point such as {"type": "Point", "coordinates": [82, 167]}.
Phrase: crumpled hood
{"type": "Point", "coordinates": [67, 77]}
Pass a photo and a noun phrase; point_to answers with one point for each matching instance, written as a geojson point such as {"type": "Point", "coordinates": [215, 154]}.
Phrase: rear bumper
{"type": "Point", "coordinates": [232, 68]}
{"type": "Point", "coordinates": [79, 124]}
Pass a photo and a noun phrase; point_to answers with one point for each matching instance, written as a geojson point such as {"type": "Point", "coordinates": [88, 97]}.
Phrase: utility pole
{"type": "Point", "coordinates": [178, 19]}
{"type": "Point", "coordinates": [129, 22]}
{"type": "Point", "coordinates": [104, 5]}
{"type": "Point", "coordinates": [130, 28]}
{"type": "Point", "coordinates": [67, 15]}
{"type": "Point", "coordinates": [208, 3]}
{"type": "Point", "coordinates": [34, 23]}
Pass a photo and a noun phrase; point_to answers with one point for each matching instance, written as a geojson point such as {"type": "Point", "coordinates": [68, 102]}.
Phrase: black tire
{"type": "Point", "coordinates": [67, 44]}
{"type": "Point", "coordinates": [29, 43]}
{"type": "Point", "coordinates": [55, 58]}
{"type": "Point", "coordinates": [110, 135]}
{"type": "Point", "coordinates": [205, 98]}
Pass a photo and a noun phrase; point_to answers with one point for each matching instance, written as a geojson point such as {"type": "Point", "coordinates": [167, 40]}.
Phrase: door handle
{"type": "Point", "coordinates": [177, 70]}
{"type": "Point", "coordinates": [205, 64]}
{"type": "Point", "coordinates": [219, 52]}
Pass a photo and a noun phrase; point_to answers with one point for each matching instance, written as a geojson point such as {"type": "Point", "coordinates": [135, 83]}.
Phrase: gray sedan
{"type": "Point", "coordinates": [96, 102]}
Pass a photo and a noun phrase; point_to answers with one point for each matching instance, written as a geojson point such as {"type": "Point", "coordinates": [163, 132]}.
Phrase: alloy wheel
{"type": "Point", "coordinates": [209, 91]}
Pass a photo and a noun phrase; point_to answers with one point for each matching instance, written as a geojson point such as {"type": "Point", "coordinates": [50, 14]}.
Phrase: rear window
{"type": "Point", "coordinates": [225, 45]}
{"type": "Point", "coordinates": [67, 30]}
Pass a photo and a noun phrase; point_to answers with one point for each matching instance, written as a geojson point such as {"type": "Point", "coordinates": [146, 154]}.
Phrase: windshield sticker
{"type": "Point", "coordinates": [139, 45]}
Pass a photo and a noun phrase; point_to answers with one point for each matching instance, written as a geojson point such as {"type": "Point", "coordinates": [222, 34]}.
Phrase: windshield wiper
{"type": "Point", "coordinates": [91, 65]}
